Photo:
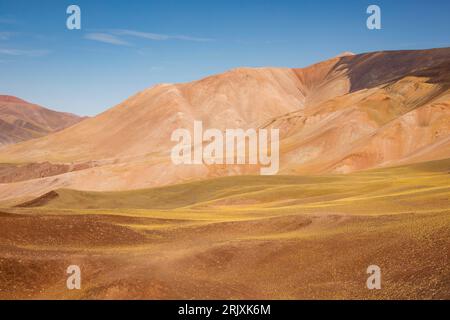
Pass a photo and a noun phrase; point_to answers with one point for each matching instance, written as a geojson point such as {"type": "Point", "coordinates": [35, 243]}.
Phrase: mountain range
{"type": "Point", "coordinates": [363, 183]}
{"type": "Point", "coordinates": [345, 114]}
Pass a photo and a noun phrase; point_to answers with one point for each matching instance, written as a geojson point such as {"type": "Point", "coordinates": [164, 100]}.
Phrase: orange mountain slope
{"type": "Point", "coordinates": [21, 120]}
{"type": "Point", "coordinates": [349, 113]}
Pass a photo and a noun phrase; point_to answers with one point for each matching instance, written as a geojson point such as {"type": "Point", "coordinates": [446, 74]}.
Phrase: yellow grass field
{"type": "Point", "coordinates": [246, 237]}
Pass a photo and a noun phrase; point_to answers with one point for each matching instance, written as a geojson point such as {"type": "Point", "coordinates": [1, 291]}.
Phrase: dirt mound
{"type": "Point", "coordinates": [40, 201]}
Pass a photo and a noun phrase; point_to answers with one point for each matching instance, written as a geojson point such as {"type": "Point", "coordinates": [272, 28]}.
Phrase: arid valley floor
{"type": "Point", "coordinates": [247, 237]}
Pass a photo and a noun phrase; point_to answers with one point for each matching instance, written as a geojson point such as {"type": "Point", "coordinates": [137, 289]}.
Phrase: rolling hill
{"type": "Point", "coordinates": [242, 237]}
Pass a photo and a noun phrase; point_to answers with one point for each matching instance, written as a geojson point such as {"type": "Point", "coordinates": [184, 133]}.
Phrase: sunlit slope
{"type": "Point", "coordinates": [342, 115]}
{"type": "Point", "coordinates": [401, 189]}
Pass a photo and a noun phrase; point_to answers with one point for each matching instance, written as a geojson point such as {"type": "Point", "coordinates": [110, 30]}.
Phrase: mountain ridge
{"type": "Point", "coordinates": [345, 114]}
{"type": "Point", "coordinates": [21, 120]}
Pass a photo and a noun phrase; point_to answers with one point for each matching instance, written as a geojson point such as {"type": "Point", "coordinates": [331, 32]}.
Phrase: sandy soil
{"type": "Point", "coordinates": [238, 243]}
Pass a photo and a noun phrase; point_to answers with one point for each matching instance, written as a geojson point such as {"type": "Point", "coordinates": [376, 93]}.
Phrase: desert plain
{"type": "Point", "coordinates": [249, 237]}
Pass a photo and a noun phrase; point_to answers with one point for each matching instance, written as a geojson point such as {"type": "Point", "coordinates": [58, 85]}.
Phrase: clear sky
{"type": "Point", "coordinates": [126, 46]}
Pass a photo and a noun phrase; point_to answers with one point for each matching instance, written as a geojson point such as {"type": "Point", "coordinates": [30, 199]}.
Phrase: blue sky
{"type": "Point", "coordinates": [127, 46]}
